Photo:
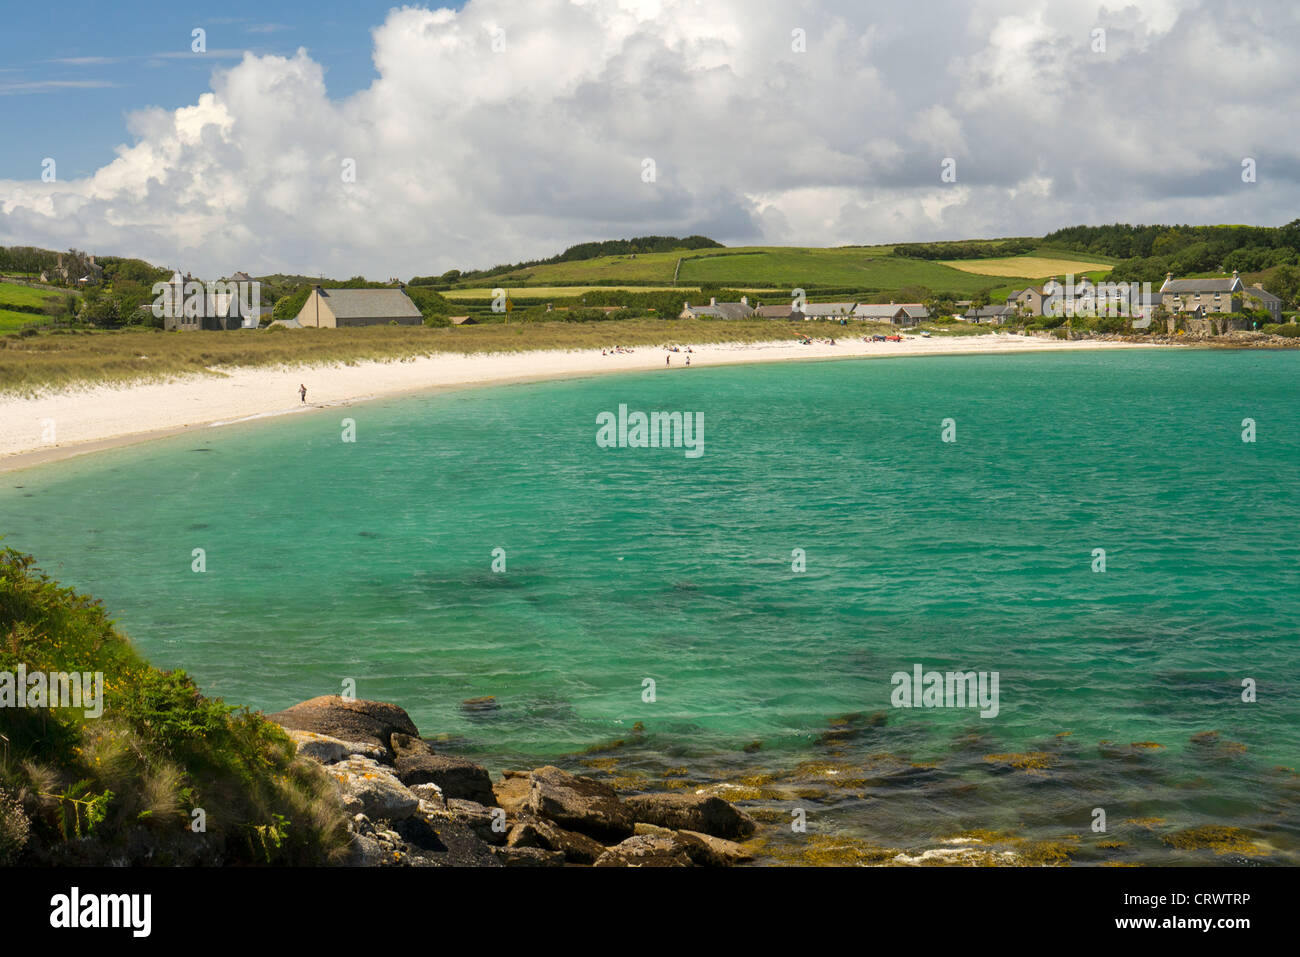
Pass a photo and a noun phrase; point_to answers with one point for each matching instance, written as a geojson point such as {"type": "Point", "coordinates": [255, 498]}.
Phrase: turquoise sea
{"type": "Point", "coordinates": [1119, 689]}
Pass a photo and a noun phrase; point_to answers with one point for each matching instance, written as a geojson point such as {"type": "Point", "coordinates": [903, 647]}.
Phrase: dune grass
{"type": "Point", "coordinates": [30, 364]}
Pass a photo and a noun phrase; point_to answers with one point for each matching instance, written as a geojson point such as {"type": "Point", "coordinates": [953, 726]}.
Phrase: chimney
{"type": "Point", "coordinates": [744, 300]}
{"type": "Point", "coordinates": [713, 300]}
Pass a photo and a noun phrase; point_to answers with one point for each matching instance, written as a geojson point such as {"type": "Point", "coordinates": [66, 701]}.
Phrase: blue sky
{"type": "Point", "coordinates": [408, 140]}
{"type": "Point", "coordinates": [70, 78]}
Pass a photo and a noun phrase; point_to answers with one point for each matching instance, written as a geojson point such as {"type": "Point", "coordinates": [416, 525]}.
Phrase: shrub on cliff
{"type": "Point", "coordinates": [164, 775]}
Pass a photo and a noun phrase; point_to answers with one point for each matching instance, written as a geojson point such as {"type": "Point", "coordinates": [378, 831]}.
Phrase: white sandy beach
{"type": "Point", "coordinates": [87, 420]}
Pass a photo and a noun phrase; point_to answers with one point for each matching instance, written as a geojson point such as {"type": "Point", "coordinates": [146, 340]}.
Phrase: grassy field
{"type": "Point", "coordinates": [864, 268]}
{"type": "Point", "coordinates": [787, 267]}
{"type": "Point", "coordinates": [12, 294]}
{"type": "Point", "coordinates": [11, 321]}
{"type": "Point", "coordinates": [56, 360]}
{"type": "Point", "coordinates": [646, 267]}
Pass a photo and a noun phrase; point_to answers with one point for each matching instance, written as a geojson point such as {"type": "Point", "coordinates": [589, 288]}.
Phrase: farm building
{"type": "Point", "coordinates": [828, 310]}
{"type": "Point", "coordinates": [718, 310]}
{"type": "Point", "coordinates": [91, 275]}
{"type": "Point", "coordinates": [348, 308]}
{"type": "Point", "coordinates": [785, 311]}
{"type": "Point", "coordinates": [995, 314]}
{"type": "Point", "coordinates": [897, 313]}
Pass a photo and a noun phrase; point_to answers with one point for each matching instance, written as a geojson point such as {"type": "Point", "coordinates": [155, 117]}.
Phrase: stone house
{"type": "Point", "coordinates": [1212, 295]}
{"type": "Point", "coordinates": [786, 311]}
{"type": "Point", "coordinates": [718, 310]}
{"type": "Point", "coordinates": [993, 313]}
{"type": "Point", "coordinates": [189, 305]}
{"type": "Point", "coordinates": [895, 313]}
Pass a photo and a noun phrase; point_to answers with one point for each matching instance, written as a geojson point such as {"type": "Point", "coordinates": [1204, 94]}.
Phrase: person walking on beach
{"type": "Point", "coordinates": [302, 392]}
{"type": "Point", "coordinates": [688, 360]}
{"type": "Point", "coordinates": [668, 360]}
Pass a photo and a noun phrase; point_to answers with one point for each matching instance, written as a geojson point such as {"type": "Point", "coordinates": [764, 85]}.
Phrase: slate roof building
{"type": "Point", "coordinates": [718, 310]}
{"type": "Point", "coordinates": [1218, 296]}
{"type": "Point", "coordinates": [1215, 295]}
{"type": "Point", "coordinates": [829, 310]}
{"type": "Point", "coordinates": [896, 313]}
{"type": "Point", "coordinates": [786, 311]}
{"type": "Point", "coordinates": [350, 308]}
{"type": "Point", "coordinates": [1266, 300]}
{"type": "Point", "coordinates": [993, 313]}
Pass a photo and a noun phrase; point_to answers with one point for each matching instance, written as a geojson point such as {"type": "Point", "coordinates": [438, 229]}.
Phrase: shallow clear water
{"type": "Point", "coordinates": [372, 561]}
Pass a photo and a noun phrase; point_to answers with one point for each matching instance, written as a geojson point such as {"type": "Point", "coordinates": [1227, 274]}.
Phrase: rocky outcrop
{"type": "Point", "coordinates": [692, 812]}
{"type": "Point", "coordinates": [529, 857]}
{"type": "Point", "coordinates": [413, 806]}
{"type": "Point", "coordinates": [536, 832]}
{"type": "Point", "coordinates": [371, 789]}
{"type": "Point", "coordinates": [372, 722]}
{"type": "Point", "coordinates": [418, 763]}
{"type": "Point", "coordinates": [429, 794]}
{"type": "Point", "coordinates": [327, 750]}
{"type": "Point", "coordinates": [578, 803]}
{"type": "Point", "coordinates": [374, 845]}
{"type": "Point", "coordinates": [512, 791]}
{"type": "Point", "coordinates": [645, 850]}
{"type": "Point", "coordinates": [704, 850]}
{"type": "Point", "coordinates": [490, 824]}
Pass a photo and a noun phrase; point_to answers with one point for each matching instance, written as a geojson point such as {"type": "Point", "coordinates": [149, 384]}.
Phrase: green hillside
{"type": "Point", "coordinates": [866, 269]}
{"type": "Point", "coordinates": [646, 268]}
{"type": "Point", "coordinates": [23, 305]}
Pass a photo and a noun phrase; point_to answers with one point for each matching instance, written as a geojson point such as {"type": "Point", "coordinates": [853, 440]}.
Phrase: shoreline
{"type": "Point", "coordinates": [99, 418]}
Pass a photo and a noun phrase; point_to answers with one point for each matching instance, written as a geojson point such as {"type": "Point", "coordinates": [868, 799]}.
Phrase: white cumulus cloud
{"type": "Point", "coordinates": [507, 131]}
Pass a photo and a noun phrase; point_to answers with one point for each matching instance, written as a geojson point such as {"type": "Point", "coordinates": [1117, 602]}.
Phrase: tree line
{"type": "Point", "coordinates": [965, 250]}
